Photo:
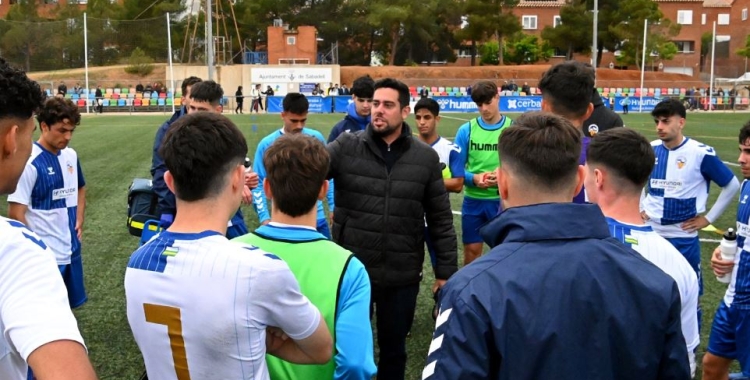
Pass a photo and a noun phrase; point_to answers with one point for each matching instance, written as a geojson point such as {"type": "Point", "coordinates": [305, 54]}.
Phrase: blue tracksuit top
{"type": "Point", "coordinates": [557, 298]}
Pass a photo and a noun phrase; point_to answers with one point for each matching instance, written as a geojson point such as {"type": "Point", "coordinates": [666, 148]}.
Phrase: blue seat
{"type": "Point", "coordinates": [121, 102]}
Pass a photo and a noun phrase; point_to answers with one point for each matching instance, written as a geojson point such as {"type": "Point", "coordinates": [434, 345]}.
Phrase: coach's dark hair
{"type": "Point", "coordinates": [207, 91]}
{"type": "Point", "coordinates": [745, 133]}
{"type": "Point", "coordinates": [20, 97]}
{"type": "Point", "coordinates": [363, 87]}
{"type": "Point", "coordinates": [189, 82]}
{"type": "Point", "coordinates": [669, 107]}
{"type": "Point", "coordinates": [56, 110]}
{"type": "Point", "coordinates": [200, 150]}
{"type": "Point", "coordinates": [543, 149]}
{"type": "Point", "coordinates": [295, 103]}
{"type": "Point", "coordinates": [429, 104]}
{"type": "Point", "coordinates": [400, 87]}
{"type": "Point", "coordinates": [567, 88]}
{"type": "Point", "coordinates": [296, 167]}
{"type": "Point", "coordinates": [626, 153]}
{"type": "Point", "coordinates": [483, 91]}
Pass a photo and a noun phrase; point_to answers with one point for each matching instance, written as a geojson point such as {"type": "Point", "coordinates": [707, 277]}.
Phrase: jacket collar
{"type": "Point", "coordinates": [549, 221]}
{"type": "Point", "coordinates": [400, 143]}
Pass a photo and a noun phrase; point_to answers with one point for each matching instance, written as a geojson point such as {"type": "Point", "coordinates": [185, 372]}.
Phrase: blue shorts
{"type": "Point", "coordinates": [730, 335]}
{"type": "Point", "coordinates": [474, 214]}
{"type": "Point", "coordinates": [236, 230]}
{"type": "Point", "coordinates": [323, 228]}
{"type": "Point", "coordinates": [691, 249]}
{"type": "Point", "coordinates": [72, 275]}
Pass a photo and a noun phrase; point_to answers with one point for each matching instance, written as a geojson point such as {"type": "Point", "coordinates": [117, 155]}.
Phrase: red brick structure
{"type": "Point", "coordinates": [46, 7]}
{"type": "Point", "coordinates": [292, 46]}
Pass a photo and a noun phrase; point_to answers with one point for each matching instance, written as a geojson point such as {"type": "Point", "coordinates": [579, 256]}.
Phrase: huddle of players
{"type": "Point", "coordinates": [271, 308]}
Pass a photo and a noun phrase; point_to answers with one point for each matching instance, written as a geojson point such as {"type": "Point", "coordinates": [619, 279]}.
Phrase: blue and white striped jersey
{"type": "Point", "coordinates": [679, 184]}
{"type": "Point", "coordinates": [199, 306]}
{"type": "Point", "coordinates": [449, 155]}
{"type": "Point", "coordinates": [738, 292]}
{"type": "Point", "coordinates": [49, 188]}
{"type": "Point", "coordinates": [656, 249]}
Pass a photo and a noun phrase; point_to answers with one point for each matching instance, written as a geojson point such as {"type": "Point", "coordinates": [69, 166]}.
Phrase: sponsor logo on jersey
{"type": "Point", "coordinates": [666, 184]}
{"type": "Point", "coordinates": [70, 168]}
{"type": "Point", "coordinates": [63, 193]}
{"type": "Point", "coordinates": [593, 129]}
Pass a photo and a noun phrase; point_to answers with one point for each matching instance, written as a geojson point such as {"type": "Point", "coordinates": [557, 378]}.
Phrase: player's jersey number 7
{"type": "Point", "coordinates": [171, 317]}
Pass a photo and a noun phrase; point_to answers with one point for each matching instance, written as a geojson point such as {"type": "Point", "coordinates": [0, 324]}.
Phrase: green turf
{"type": "Point", "coordinates": [115, 149]}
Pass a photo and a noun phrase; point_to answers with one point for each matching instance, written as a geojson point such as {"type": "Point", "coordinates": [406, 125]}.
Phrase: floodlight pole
{"type": "Point", "coordinates": [713, 59]}
{"type": "Point", "coordinates": [209, 40]}
{"type": "Point", "coordinates": [595, 44]}
{"type": "Point", "coordinates": [643, 64]}
{"type": "Point", "coordinates": [86, 60]}
{"type": "Point", "coordinates": [169, 54]}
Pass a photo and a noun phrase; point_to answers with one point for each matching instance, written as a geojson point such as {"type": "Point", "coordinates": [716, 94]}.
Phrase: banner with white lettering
{"type": "Point", "coordinates": [291, 75]}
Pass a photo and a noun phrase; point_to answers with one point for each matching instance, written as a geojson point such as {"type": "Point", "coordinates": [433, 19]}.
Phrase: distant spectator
{"type": "Point", "coordinates": [345, 90]}
{"type": "Point", "coordinates": [525, 88]}
{"type": "Point", "coordinates": [468, 90]}
{"type": "Point", "coordinates": [62, 89]}
{"type": "Point", "coordinates": [139, 88]}
{"type": "Point", "coordinates": [626, 104]}
{"type": "Point", "coordinates": [268, 92]}
{"type": "Point", "coordinates": [239, 98]}
{"type": "Point", "coordinates": [505, 86]}
{"type": "Point", "coordinates": [149, 88]}
{"type": "Point", "coordinates": [513, 86]}
{"type": "Point", "coordinates": [333, 91]}
{"type": "Point", "coordinates": [77, 89]}
{"type": "Point", "coordinates": [424, 92]}
{"type": "Point", "coordinates": [99, 99]}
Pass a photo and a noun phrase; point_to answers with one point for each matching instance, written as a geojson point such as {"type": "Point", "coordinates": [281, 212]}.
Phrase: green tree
{"type": "Point", "coordinates": [573, 35]}
{"type": "Point", "coordinates": [26, 37]}
{"type": "Point", "coordinates": [489, 19]}
{"type": "Point", "coordinates": [522, 49]}
{"type": "Point", "coordinates": [629, 31]}
{"type": "Point", "coordinates": [745, 51]}
{"type": "Point", "coordinates": [489, 53]}
{"type": "Point", "coordinates": [389, 17]}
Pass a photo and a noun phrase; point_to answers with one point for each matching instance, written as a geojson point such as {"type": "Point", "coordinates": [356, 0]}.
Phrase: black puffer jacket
{"type": "Point", "coordinates": [380, 215]}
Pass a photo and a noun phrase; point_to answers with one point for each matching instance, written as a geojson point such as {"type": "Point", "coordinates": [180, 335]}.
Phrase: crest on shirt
{"type": "Point", "coordinates": [681, 162]}
{"type": "Point", "coordinates": [744, 199]}
{"type": "Point", "coordinates": [593, 129]}
{"type": "Point", "coordinates": [50, 170]}
{"type": "Point", "coordinates": [70, 168]}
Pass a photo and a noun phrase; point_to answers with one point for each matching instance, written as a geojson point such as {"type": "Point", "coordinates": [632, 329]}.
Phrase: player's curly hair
{"type": "Point", "coordinates": [20, 97]}
{"type": "Point", "coordinates": [56, 110]}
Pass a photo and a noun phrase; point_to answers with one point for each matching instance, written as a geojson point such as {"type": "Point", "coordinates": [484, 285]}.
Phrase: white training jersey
{"type": "Point", "coordinates": [664, 255]}
{"type": "Point", "coordinates": [199, 305]}
{"type": "Point", "coordinates": [34, 306]}
{"type": "Point", "coordinates": [49, 188]}
{"type": "Point", "coordinates": [678, 187]}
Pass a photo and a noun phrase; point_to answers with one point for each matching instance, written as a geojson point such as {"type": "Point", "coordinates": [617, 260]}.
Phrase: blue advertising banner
{"type": "Point", "coordinates": [318, 104]}
{"type": "Point", "coordinates": [520, 103]}
{"type": "Point", "coordinates": [455, 104]}
{"type": "Point", "coordinates": [341, 103]}
{"type": "Point", "coordinates": [306, 88]}
{"type": "Point", "coordinates": [649, 103]}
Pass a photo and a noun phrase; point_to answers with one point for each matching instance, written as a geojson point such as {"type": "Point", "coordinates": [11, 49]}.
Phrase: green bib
{"type": "Point", "coordinates": [319, 268]}
{"type": "Point", "coordinates": [483, 157]}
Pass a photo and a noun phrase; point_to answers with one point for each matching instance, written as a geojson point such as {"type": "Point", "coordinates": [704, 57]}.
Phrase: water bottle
{"type": "Point", "coordinates": [728, 248]}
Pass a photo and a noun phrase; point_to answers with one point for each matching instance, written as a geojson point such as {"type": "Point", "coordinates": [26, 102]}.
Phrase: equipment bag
{"type": "Point", "coordinates": [142, 203]}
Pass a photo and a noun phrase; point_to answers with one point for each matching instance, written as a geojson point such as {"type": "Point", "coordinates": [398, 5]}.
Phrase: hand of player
{"type": "Point", "coordinates": [437, 285]}
{"type": "Point", "coordinates": [490, 179]}
{"type": "Point", "coordinates": [720, 266]}
{"type": "Point", "coordinates": [644, 216]}
{"type": "Point", "coordinates": [330, 215]}
{"type": "Point", "coordinates": [79, 229]}
{"type": "Point", "coordinates": [695, 224]}
{"type": "Point", "coordinates": [247, 195]}
{"type": "Point", "coordinates": [275, 338]}
{"type": "Point", "coordinates": [251, 179]}
{"type": "Point", "coordinates": [479, 181]}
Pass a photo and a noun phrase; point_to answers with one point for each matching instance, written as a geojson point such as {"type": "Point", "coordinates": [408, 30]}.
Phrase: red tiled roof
{"type": "Point", "coordinates": [717, 3]}
{"type": "Point", "coordinates": [541, 3]}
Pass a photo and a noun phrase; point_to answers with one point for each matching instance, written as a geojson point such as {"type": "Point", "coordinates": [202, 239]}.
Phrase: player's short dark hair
{"type": "Point", "coordinates": [56, 110]}
{"type": "Point", "coordinates": [483, 91]}
{"type": "Point", "coordinates": [626, 153]}
{"type": "Point", "coordinates": [669, 107]}
{"type": "Point", "coordinates": [543, 149]}
{"type": "Point", "coordinates": [363, 87]}
{"type": "Point", "coordinates": [189, 82]}
{"type": "Point", "coordinates": [567, 88]}
{"type": "Point", "coordinates": [199, 151]}
{"type": "Point", "coordinates": [296, 167]}
{"type": "Point", "coordinates": [207, 91]}
{"type": "Point", "coordinates": [295, 103]}
{"type": "Point", "coordinates": [20, 97]}
{"type": "Point", "coordinates": [428, 104]}
{"type": "Point", "coordinates": [400, 87]}
{"type": "Point", "coordinates": [745, 133]}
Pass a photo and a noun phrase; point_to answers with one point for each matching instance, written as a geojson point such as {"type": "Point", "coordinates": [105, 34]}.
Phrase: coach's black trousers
{"type": "Point", "coordinates": [394, 313]}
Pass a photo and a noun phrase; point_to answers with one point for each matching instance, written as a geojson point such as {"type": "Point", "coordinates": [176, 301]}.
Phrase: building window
{"type": "Point", "coordinates": [685, 17]}
{"type": "Point", "coordinates": [464, 51]}
{"type": "Point", "coordinates": [529, 22]}
{"type": "Point", "coordinates": [723, 19]}
{"type": "Point", "coordinates": [560, 53]}
{"type": "Point", "coordinates": [703, 19]}
{"type": "Point", "coordinates": [744, 14]}
{"type": "Point", "coordinates": [556, 21]}
{"type": "Point", "coordinates": [685, 46]}
{"type": "Point", "coordinates": [291, 40]}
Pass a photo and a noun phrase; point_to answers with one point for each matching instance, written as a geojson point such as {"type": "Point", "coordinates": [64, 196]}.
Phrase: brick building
{"type": "Point", "coordinates": [288, 46]}
{"type": "Point", "coordinates": [696, 18]}
{"type": "Point", "coordinates": [45, 6]}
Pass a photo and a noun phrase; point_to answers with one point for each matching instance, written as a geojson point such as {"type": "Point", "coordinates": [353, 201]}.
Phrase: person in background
{"type": "Point", "coordinates": [358, 112]}
{"type": "Point", "coordinates": [239, 98]}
